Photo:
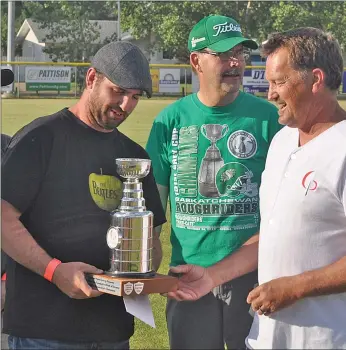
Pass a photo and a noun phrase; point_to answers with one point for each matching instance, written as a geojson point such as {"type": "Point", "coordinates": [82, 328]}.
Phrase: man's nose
{"type": "Point", "coordinates": [272, 94]}
{"type": "Point", "coordinates": [127, 104]}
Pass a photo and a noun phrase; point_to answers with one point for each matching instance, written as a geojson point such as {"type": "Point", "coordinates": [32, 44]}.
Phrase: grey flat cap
{"type": "Point", "coordinates": [125, 65]}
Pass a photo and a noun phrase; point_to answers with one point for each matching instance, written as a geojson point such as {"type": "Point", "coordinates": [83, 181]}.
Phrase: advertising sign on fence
{"type": "Point", "coordinates": [169, 80]}
{"type": "Point", "coordinates": [254, 81]}
{"type": "Point", "coordinates": [45, 78]}
{"type": "Point", "coordinates": [154, 72]}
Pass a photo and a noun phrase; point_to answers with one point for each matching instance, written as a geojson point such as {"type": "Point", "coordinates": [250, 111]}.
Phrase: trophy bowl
{"type": "Point", "coordinates": [133, 168]}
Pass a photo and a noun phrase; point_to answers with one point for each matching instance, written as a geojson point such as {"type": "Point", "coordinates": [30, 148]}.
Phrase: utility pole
{"type": "Point", "coordinates": [10, 32]}
{"type": "Point", "coordinates": [119, 28]}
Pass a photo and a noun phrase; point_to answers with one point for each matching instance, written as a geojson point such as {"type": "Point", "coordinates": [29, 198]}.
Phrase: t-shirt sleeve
{"type": "Point", "coordinates": [152, 199]}
{"type": "Point", "coordinates": [24, 166]}
{"type": "Point", "coordinates": [157, 148]}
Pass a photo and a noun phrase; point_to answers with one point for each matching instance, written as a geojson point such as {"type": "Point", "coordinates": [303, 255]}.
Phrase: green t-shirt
{"type": "Point", "coordinates": [211, 158]}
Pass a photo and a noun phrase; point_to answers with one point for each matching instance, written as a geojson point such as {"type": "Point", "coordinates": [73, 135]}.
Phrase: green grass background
{"type": "Point", "coordinates": [17, 113]}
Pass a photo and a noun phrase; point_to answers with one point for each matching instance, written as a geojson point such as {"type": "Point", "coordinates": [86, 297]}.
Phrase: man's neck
{"type": "Point", "coordinates": [81, 111]}
{"type": "Point", "coordinates": [326, 118]}
{"type": "Point", "coordinates": [215, 99]}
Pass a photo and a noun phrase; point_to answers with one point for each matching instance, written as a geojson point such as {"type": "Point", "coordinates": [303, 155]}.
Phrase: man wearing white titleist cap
{"type": "Point", "coordinates": [59, 186]}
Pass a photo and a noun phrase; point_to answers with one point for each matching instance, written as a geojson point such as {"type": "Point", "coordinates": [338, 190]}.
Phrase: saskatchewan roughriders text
{"type": "Point", "coordinates": [217, 209]}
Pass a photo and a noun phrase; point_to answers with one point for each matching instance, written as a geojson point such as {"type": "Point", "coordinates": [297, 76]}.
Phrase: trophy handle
{"type": "Point", "coordinates": [203, 131]}
{"type": "Point", "coordinates": [224, 130]}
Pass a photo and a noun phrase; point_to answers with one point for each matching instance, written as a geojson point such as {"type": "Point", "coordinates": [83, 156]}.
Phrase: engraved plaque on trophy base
{"type": "Point", "coordinates": [127, 286]}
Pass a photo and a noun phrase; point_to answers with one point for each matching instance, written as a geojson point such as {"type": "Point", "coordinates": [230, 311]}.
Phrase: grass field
{"type": "Point", "coordinates": [16, 113]}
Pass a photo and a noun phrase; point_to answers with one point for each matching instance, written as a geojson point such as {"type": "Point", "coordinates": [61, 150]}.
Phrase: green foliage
{"type": "Point", "coordinates": [171, 22]}
{"type": "Point", "coordinates": [326, 15]}
{"type": "Point", "coordinates": [19, 18]}
{"type": "Point", "coordinates": [167, 23]}
{"type": "Point", "coordinates": [71, 35]}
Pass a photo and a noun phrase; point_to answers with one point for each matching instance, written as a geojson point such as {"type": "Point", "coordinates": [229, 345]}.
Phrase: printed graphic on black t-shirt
{"type": "Point", "coordinates": [105, 190]}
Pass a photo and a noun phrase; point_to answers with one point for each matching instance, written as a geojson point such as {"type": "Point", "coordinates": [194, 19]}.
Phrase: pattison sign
{"type": "Point", "coordinates": [48, 75]}
{"type": "Point", "coordinates": [48, 78]}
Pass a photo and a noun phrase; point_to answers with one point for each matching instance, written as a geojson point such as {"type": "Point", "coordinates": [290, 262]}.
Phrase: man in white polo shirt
{"type": "Point", "coordinates": [300, 302]}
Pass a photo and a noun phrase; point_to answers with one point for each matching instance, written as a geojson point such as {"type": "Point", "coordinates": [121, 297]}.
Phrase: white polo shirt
{"type": "Point", "coordinates": [303, 227]}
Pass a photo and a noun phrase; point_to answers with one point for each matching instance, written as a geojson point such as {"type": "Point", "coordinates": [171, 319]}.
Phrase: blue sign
{"type": "Point", "coordinates": [254, 81]}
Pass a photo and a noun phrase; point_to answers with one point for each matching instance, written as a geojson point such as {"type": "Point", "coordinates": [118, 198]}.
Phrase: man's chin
{"type": "Point", "coordinates": [287, 122]}
{"type": "Point", "coordinates": [230, 88]}
{"type": "Point", "coordinates": [111, 126]}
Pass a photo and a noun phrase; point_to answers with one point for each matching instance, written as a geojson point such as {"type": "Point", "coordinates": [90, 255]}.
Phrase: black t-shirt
{"type": "Point", "coordinates": [5, 140]}
{"type": "Point", "coordinates": [61, 175]}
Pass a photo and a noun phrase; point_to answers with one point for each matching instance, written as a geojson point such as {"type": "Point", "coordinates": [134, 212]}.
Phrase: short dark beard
{"type": "Point", "coordinates": [95, 113]}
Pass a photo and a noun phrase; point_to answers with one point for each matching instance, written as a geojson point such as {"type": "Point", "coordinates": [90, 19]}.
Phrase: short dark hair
{"type": "Point", "coordinates": [99, 77]}
{"type": "Point", "coordinates": [309, 48]}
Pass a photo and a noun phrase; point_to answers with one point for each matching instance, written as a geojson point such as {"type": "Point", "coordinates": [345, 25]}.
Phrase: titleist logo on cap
{"type": "Point", "coordinates": [226, 27]}
{"type": "Point", "coordinates": [194, 41]}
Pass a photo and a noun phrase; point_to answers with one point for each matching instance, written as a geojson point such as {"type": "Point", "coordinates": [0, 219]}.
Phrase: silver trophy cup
{"type": "Point", "coordinates": [212, 161]}
{"type": "Point", "coordinates": [130, 235]}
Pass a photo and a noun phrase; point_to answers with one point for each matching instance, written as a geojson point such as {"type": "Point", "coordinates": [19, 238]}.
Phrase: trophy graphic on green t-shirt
{"type": "Point", "coordinates": [212, 161]}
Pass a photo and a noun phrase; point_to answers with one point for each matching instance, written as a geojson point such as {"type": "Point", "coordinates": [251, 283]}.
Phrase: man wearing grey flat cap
{"type": "Point", "coordinates": [61, 185]}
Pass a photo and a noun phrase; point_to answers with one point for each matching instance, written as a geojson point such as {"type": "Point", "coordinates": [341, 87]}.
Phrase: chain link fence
{"type": "Point", "coordinates": [66, 80]}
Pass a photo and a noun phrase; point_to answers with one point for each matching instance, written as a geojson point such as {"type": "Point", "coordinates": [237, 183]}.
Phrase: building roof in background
{"type": "Point", "coordinates": [106, 28]}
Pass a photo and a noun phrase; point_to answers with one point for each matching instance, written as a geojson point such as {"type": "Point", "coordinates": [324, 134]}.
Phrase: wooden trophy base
{"type": "Point", "coordinates": [127, 286]}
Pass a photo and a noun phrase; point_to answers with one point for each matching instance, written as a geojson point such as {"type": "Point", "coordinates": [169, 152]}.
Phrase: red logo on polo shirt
{"type": "Point", "coordinates": [308, 181]}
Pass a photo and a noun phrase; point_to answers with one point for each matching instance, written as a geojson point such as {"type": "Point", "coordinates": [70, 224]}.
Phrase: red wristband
{"type": "Point", "coordinates": [3, 278]}
{"type": "Point", "coordinates": [53, 264]}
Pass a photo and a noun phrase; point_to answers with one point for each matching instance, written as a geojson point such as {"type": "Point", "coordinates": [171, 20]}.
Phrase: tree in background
{"type": "Point", "coordinates": [19, 18]}
{"type": "Point", "coordinates": [67, 22]}
{"type": "Point", "coordinates": [326, 15]}
{"type": "Point", "coordinates": [172, 21]}
{"type": "Point", "coordinates": [71, 35]}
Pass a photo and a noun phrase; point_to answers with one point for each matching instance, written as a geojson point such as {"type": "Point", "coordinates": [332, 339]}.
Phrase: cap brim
{"type": "Point", "coordinates": [229, 43]}
{"type": "Point", "coordinates": [148, 93]}
{"type": "Point", "coordinates": [125, 86]}
{"type": "Point", "coordinates": [7, 77]}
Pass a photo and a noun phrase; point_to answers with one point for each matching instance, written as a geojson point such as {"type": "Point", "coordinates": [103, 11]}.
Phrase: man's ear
{"type": "Point", "coordinates": [318, 79]}
{"type": "Point", "coordinates": [195, 61]}
{"type": "Point", "coordinates": [90, 78]}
